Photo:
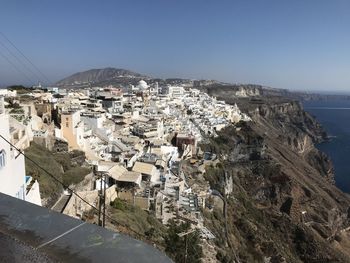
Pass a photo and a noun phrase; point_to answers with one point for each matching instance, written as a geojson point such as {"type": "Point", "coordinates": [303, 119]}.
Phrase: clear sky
{"type": "Point", "coordinates": [294, 44]}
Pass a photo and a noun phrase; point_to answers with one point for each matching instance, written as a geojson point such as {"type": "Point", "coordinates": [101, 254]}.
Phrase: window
{"type": "Point", "coordinates": [67, 124]}
{"type": "Point", "coordinates": [2, 158]}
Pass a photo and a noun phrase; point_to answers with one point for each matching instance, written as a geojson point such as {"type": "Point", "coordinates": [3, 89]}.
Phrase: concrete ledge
{"type": "Point", "coordinates": [61, 238]}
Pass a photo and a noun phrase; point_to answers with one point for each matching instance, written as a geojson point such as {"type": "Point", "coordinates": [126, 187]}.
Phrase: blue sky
{"type": "Point", "coordinates": [299, 44]}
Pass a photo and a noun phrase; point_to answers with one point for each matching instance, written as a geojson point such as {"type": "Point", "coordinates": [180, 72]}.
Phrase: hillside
{"type": "Point", "coordinates": [122, 77]}
{"type": "Point", "coordinates": [60, 165]}
{"type": "Point", "coordinates": [105, 76]}
{"type": "Point", "coordinates": [281, 202]}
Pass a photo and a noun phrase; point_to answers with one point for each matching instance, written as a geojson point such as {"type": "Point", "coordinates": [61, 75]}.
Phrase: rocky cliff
{"type": "Point", "coordinates": [253, 90]}
{"type": "Point", "coordinates": [282, 205]}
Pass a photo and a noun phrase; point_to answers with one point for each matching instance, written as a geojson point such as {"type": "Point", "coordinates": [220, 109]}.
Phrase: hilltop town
{"type": "Point", "coordinates": [227, 167]}
{"type": "Point", "coordinates": [174, 131]}
{"type": "Point", "coordinates": [134, 140]}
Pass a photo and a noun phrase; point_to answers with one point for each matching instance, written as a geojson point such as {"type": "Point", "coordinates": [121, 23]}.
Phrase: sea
{"type": "Point", "coordinates": [334, 116]}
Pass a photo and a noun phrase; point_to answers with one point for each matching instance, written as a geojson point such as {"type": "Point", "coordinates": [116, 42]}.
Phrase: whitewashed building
{"type": "Point", "coordinates": [12, 166]}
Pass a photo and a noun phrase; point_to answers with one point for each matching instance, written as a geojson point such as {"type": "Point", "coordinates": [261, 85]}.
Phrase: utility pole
{"type": "Point", "coordinates": [102, 196]}
{"type": "Point", "coordinates": [104, 200]}
{"type": "Point", "coordinates": [185, 235]}
{"type": "Point", "coordinates": [100, 201]}
{"type": "Point", "coordinates": [185, 248]}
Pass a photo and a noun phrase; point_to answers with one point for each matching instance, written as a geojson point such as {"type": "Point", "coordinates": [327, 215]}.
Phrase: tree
{"type": "Point", "coordinates": [182, 243]}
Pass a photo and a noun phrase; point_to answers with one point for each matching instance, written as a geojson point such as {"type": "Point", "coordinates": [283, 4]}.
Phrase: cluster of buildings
{"type": "Point", "coordinates": [137, 137]}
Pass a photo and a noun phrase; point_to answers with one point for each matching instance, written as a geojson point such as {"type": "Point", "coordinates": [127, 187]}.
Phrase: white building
{"type": "Point", "coordinates": [173, 91]}
{"type": "Point", "coordinates": [53, 89]}
{"type": "Point", "coordinates": [8, 93]}
{"type": "Point", "coordinates": [12, 166]}
{"type": "Point", "coordinates": [142, 85]}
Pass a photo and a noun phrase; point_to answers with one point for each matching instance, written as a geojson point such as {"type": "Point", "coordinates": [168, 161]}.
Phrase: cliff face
{"type": "Point", "coordinates": [282, 204]}
{"type": "Point", "coordinates": [253, 90]}
{"type": "Point", "coordinates": [294, 129]}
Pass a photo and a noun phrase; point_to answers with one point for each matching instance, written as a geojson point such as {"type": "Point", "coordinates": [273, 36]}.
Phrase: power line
{"type": "Point", "coordinates": [43, 169]}
{"type": "Point", "coordinates": [70, 189]}
{"type": "Point", "coordinates": [19, 60]}
{"type": "Point", "coordinates": [14, 65]}
{"type": "Point", "coordinates": [26, 58]}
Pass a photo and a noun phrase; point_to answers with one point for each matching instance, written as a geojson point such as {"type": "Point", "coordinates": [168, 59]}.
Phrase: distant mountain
{"type": "Point", "coordinates": [105, 76]}
{"type": "Point", "coordinates": [122, 77]}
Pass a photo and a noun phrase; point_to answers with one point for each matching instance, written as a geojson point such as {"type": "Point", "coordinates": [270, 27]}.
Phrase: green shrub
{"type": "Point", "coordinates": [40, 155]}
{"type": "Point", "coordinates": [64, 160]}
{"type": "Point", "coordinates": [119, 204]}
{"type": "Point", "coordinates": [75, 175]}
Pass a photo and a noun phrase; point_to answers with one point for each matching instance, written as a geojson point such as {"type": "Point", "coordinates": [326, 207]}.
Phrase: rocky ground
{"type": "Point", "coordinates": [282, 205]}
